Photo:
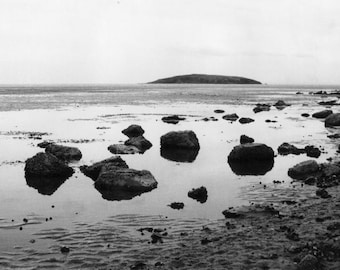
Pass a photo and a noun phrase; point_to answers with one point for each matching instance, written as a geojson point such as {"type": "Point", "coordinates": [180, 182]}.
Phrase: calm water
{"type": "Point", "coordinates": [71, 116]}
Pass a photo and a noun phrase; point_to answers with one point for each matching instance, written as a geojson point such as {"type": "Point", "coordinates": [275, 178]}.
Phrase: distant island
{"type": "Point", "coordinates": [206, 79]}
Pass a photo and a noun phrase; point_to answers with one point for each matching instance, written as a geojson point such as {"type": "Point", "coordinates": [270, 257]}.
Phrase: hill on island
{"type": "Point", "coordinates": [206, 79]}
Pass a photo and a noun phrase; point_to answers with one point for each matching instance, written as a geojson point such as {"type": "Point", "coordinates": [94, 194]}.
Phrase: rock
{"type": "Point", "coordinates": [199, 194]}
{"type": "Point", "coordinates": [332, 120]}
{"type": "Point", "coordinates": [251, 151]}
{"type": "Point", "coordinates": [123, 149]}
{"type": "Point", "coordinates": [133, 131]}
{"type": "Point", "coordinates": [280, 104]}
{"type": "Point", "coordinates": [329, 169]}
{"type": "Point", "coordinates": [322, 193]}
{"type": "Point", "coordinates": [140, 142]}
{"type": "Point", "coordinates": [173, 119]}
{"type": "Point", "coordinates": [206, 119]}
{"type": "Point", "coordinates": [261, 107]}
{"type": "Point", "coordinates": [328, 103]}
{"type": "Point", "coordinates": [251, 167]}
{"type": "Point", "coordinates": [180, 140]}
{"type": "Point", "coordinates": [334, 136]}
{"type": "Point", "coordinates": [245, 120]}
{"type": "Point", "coordinates": [322, 114]}
{"type": "Point", "coordinates": [309, 262]}
{"type": "Point", "coordinates": [312, 151]}
{"type": "Point", "coordinates": [177, 205]}
{"type": "Point", "coordinates": [125, 179]}
{"type": "Point", "coordinates": [334, 226]}
{"type": "Point", "coordinates": [44, 144]}
{"type": "Point", "coordinates": [304, 170]}
{"type": "Point", "coordinates": [299, 93]}
{"type": "Point", "coordinates": [231, 214]}
{"type": "Point", "coordinates": [218, 111]}
{"type": "Point", "coordinates": [93, 170]}
{"type": "Point", "coordinates": [64, 249]}
{"type": "Point", "coordinates": [305, 115]}
{"type": "Point", "coordinates": [245, 139]}
{"type": "Point", "coordinates": [139, 266]}
{"type": "Point", "coordinates": [231, 117]}
{"type": "Point", "coordinates": [179, 155]}
{"type": "Point", "coordinates": [286, 149]}
{"type": "Point", "coordinates": [46, 165]}
{"type": "Point", "coordinates": [65, 153]}
{"type": "Point", "coordinates": [310, 181]}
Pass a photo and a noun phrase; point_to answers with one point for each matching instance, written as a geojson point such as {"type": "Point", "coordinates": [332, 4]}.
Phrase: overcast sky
{"type": "Point", "coordinates": [129, 41]}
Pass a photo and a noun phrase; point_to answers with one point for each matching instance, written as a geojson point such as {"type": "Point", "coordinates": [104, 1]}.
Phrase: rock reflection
{"type": "Point", "coordinates": [179, 155]}
{"type": "Point", "coordinates": [45, 185]}
{"type": "Point", "coordinates": [118, 194]}
{"type": "Point", "coordinates": [251, 167]}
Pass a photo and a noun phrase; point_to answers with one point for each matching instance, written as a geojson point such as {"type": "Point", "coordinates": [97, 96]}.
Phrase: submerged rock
{"type": "Point", "coordinates": [46, 164]}
{"type": "Point", "coordinates": [140, 142]}
{"type": "Point", "coordinates": [304, 170]}
{"type": "Point", "coordinates": [251, 151]}
{"type": "Point", "coordinates": [93, 170]}
{"type": "Point", "coordinates": [123, 149]}
{"type": "Point", "coordinates": [245, 139]}
{"type": "Point", "coordinates": [246, 120]}
{"type": "Point", "coordinates": [172, 119]}
{"type": "Point", "coordinates": [332, 120]}
{"type": "Point", "coordinates": [280, 105]}
{"type": "Point", "coordinates": [180, 140]}
{"type": "Point", "coordinates": [231, 117]}
{"type": "Point", "coordinates": [65, 153]}
{"type": "Point", "coordinates": [322, 114]}
{"type": "Point", "coordinates": [133, 131]}
{"type": "Point", "coordinates": [199, 194]}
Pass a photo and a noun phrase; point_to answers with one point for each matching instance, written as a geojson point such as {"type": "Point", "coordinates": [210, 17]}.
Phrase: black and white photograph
{"type": "Point", "coordinates": [170, 134]}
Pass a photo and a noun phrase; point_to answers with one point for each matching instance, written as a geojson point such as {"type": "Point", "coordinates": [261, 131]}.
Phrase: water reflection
{"type": "Point", "coordinates": [254, 167]}
{"type": "Point", "coordinates": [118, 194]}
{"type": "Point", "coordinates": [179, 155]}
{"type": "Point", "coordinates": [45, 185]}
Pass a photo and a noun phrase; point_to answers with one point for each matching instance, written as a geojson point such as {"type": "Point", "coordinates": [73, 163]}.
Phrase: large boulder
{"type": "Point", "coordinates": [65, 153]}
{"type": "Point", "coordinates": [140, 142]}
{"type": "Point", "coordinates": [322, 114]}
{"type": "Point", "coordinates": [93, 170]}
{"type": "Point", "coordinates": [332, 120]}
{"type": "Point", "coordinates": [125, 179]}
{"type": "Point", "coordinates": [133, 131]}
{"type": "Point", "coordinates": [180, 140]}
{"type": "Point", "coordinates": [305, 169]}
{"type": "Point", "coordinates": [122, 149]}
{"type": "Point", "coordinates": [251, 151]}
{"type": "Point", "coordinates": [46, 165]}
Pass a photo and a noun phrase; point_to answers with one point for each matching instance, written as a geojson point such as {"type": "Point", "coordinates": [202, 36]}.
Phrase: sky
{"type": "Point", "coordinates": [136, 41]}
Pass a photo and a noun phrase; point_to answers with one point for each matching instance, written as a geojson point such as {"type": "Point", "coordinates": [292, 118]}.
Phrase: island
{"type": "Point", "coordinates": [205, 79]}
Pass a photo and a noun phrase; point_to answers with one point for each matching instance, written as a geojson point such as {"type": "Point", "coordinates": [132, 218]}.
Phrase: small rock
{"type": "Point", "coordinates": [322, 114]}
{"type": "Point", "coordinates": [199, 194]}
{"type": "Point", "coordinates": [230, 117]}
{"type": "Point", "coordinates": [64, 249]}
{"type": "Point", "coordinates": [312, 151]}
{"type": "Point", "coordinates": [133, 131]}
{"type": "Point", "coordinates": [231, 214]}
{"type": "Point", "coordinates": [309, 262]}
{"type": "Point", "coordinates": [177, 205]}
{"type": "Point", "coordinates": [218, 111]}
{"type": "Point", "coordinates": [173, 119]}
{"type": "Point", "coordinates": [139, 142]}
{"type": "Point", "coordinates": [321, 192]}
{"type": "Point", "coordinates": [245, 139]}
{"type": "Point", "coordinates": [305, 115]}
{"type": "Point", "coordinates": [246, 120]}
{"type": "Point", "coordinates": [261, 107]}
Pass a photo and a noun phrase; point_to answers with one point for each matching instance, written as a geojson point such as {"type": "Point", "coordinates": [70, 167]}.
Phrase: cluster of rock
{"type": "Point", "coordinates": [309, 150]}
{"type": "Point", "coordinates": [260, 107]}
{"type": "Point", "coordinates": [135, 144]}
{"type": "Point", "coordinates": [116, 181]}
{"type": "Point", "coordinates": [46, 171]}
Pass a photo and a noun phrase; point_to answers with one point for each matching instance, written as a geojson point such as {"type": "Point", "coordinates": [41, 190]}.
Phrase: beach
{"type": "Point", "coordinates": [108, 232]}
